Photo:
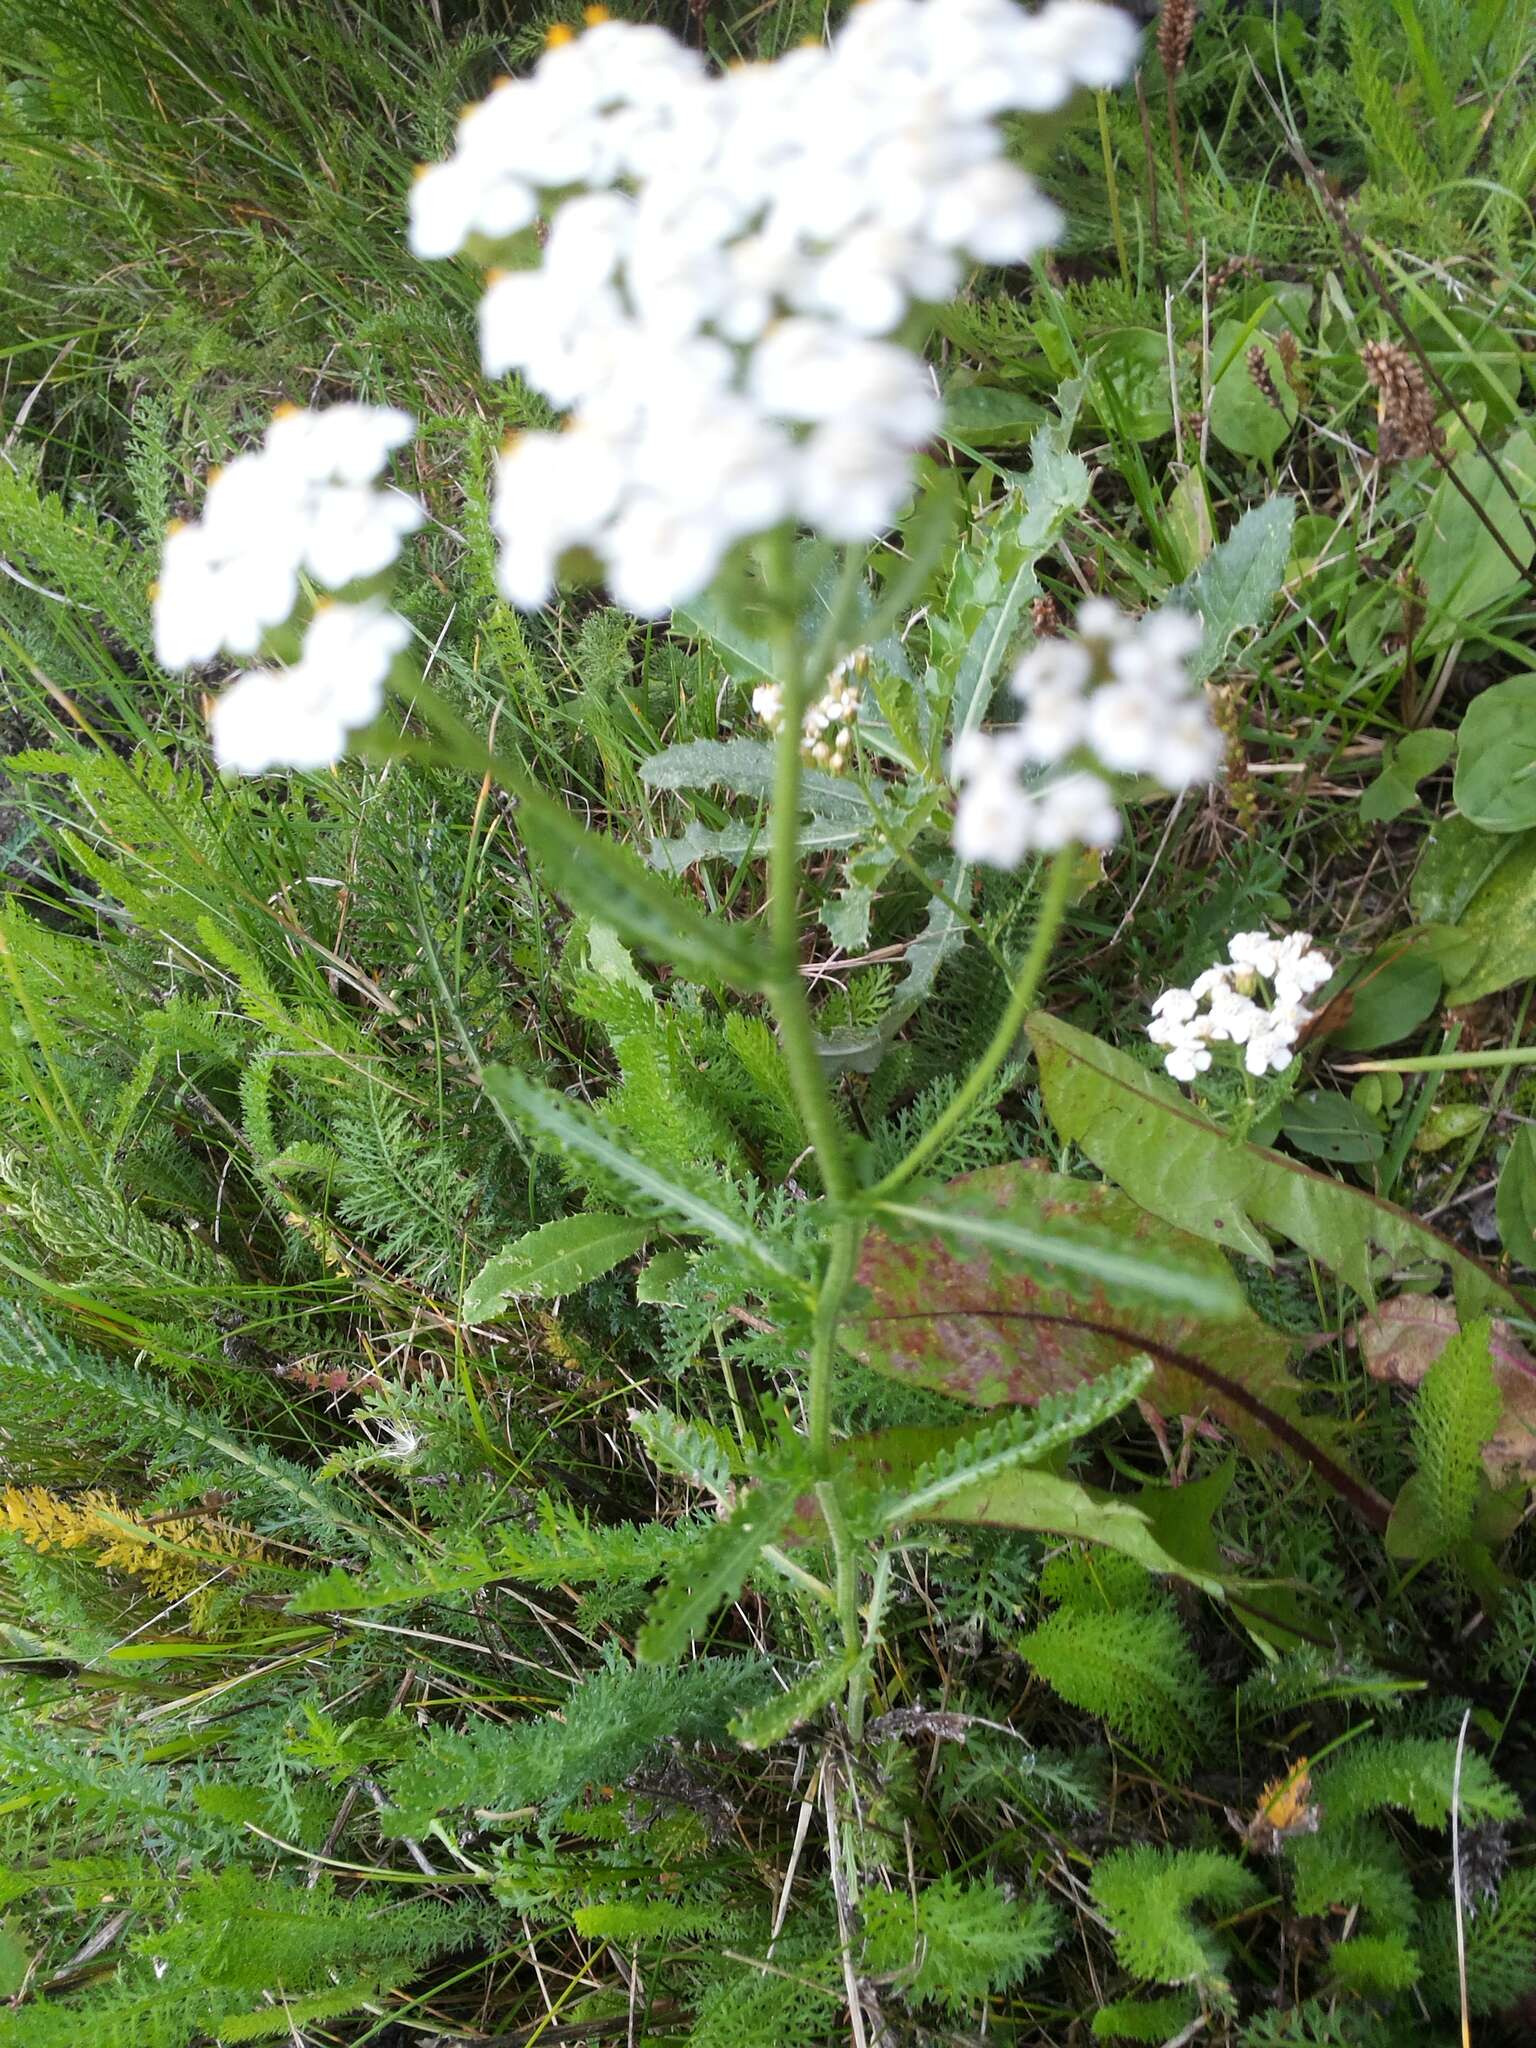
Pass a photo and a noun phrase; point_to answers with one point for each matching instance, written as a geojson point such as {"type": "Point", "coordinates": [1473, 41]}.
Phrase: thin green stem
{"type": "Point", "coordinates": [847, 1576]}
{"type": "Point", "coordinates": [787, 991]}
{"type": "Point", "coordinates": [1112, 188]}
{"type": "Point", "coordinates": [1053, 904]}
{"type": "Point", "coordinates": [845, 1238]}
{"type": "Point", "coordinates": [1445, 1062]}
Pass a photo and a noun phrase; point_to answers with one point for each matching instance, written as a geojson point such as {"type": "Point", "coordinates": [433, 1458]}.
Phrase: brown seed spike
{"type": "Point", "coordinates": [1262, 376]}
{"type": "Point", "coordinates": [1175, 32]}
{"type": "Point", "coordinates": [1405, 405]}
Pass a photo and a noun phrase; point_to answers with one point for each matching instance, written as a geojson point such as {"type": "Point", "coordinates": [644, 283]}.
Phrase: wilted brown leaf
{"type": "Point", "coordinates": [1404, 1337]}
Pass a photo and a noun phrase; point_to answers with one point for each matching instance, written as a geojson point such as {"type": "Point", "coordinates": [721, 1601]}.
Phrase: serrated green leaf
{"type": "Point", "coordinates": [734, 843]}
{"type": "Point", "coordinates": [715, 1570]}
{"type": "Point", "coordinates": [745, 768]}
{"type": "Point", "coordinates": [571, 1128]}
{"type": "Point", "coordinates": [761, 1726]}
{"type": "Point", "coordinates": [1236, 585]}
{"type": "Point", "coordinates": [608, 881]}
{"type": "Point", "coordinates": [557, 1258]}
{"type": "Point", "coordinates": [1023, 1438]}
{"type": "Point", "coordinates": [704, 1456]}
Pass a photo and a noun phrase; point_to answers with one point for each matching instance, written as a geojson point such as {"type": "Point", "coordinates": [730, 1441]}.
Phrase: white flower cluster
{"type": "Point", "coordinates": [826, 730]}
{"type": "Point", "coordinates": [726, 256]}
{"type": "Point", "coordinates": [1117, 701]}
{"type": "Point", "coordinates": [306, 503]}
{"type": "Point", "coordinates": [1230, 1004]}
{"type": "Point", "coordinates": [300, 716]}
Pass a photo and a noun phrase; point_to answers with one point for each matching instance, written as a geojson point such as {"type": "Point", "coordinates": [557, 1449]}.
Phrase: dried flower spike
{"type": "Point", "coordinates": [1175, 32]}
{"type": "Point", "coordinates": [1262, 377]}
{"type": "Point", "coordinates": [1405, 405]}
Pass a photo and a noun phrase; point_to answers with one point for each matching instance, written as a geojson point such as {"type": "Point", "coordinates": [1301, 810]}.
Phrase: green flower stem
{"type": "Point", "coordinates": [787, 992]}
{"type": "Point", "coordinates": [1053, 904]}
{"type": "Point", "coordinates": [847, 1565]}
{"type": "Point", "coordinates": [1446, 1062]}
{"type": "Point", "coordinates": [797, 1036]}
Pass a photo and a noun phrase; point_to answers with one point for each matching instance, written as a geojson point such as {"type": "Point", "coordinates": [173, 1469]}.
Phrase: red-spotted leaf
{"type": "Point", "coordinates": [957, 1315]}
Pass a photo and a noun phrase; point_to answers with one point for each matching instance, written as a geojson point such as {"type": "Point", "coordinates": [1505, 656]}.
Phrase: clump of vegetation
{"type": "Point", "coordinates": [787, 1299]}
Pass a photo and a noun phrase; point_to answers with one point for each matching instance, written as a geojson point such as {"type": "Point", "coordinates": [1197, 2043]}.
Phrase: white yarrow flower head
{"type": "Point", "coordinates": [1252, 1000]}
{"type": "Point", "coordinates": [727, 258]}
{"type": "Point", "coordinates": [1114, 703]}
{"type": "Point", "coordinates": [303, 504]}
{"type": "Point", "coordinates": [301, 716]}
{"type": "Point", "coordinates": [828, 725]}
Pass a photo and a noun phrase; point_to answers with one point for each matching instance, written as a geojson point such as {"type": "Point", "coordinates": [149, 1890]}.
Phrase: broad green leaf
{"type": "Point", "coordinates": [735, 843]}
{"type": "Point", "coordinates": [1242, 418]}
{"type": "Point", "coordinates": [1391, 993]}
{"type": "Point", "coordinates": [1190, 524]}
{"type": "Point", "coordinates": [1137, 1128]}
{"type": "Point", "coordinates": [1404, 765]}
{"type": "Point", "coordinates": [557, 1258]}
{"type": "Point", "coordinates": [1462, 567]}
{"type": "Point", "coordinates": [1002, 1208]}
{"type": "Point", "coordinates": [1238, 582]}
{"type": "Point", "coordinates": [966, 1323]}
{"type": "Point", "coordinates": [1483, 883]}
{"type": "Point", "coordinates": [715, 1570]}
{"type": "Point", "coordinates": [1448, 1123]}
{"type": "Point", "coordinates": [1129, 373]}
{"type": "Point", "coordinates": [571, 1128]}
{"type": "Point", "coordinates": [660, 1278]}
{"type": "Point", "coordinates": [1327, 1125]}
{"type": "Point", "coordinates": [988, 416]}
{"type": "Point", "coordinates": [1495, 785]}
{"type": "Point", "coordinates": [609, 881]}
{"type": "Point", "coordinates": [759, 1727]}
{"type": "Point", "coordinates": [745, 768]}
{"type": "Point", "coordinates": [1516, 1199]}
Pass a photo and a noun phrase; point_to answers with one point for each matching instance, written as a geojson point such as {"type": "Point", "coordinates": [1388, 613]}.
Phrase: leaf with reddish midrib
{"type": "Point", "coordinates": [965, 1320]}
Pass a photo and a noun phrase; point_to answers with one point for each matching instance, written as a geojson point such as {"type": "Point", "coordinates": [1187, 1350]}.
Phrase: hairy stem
{"type": "Point", "coordinates": [1053, 904]}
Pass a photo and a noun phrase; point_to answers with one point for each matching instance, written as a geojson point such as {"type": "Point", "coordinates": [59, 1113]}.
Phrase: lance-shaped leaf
{"type": "Point", "coordinates": [974, 1459]}
{"type": "Point", "coordinates": [608, 881]}
{"type": "Point", "coordinates": [1001, 1211]}
{"type": "Point", "coordinates": [775, 1718]}
{"type": "Point", "coordinates": [573, 1129]}
{"type": "Point", "coordinates": [965, 1319]}
{"type": "Point", "coordinates": [555, 1259]}
{"type": "Point", "coordinates": [715, 1570]}
{"type": "Point", "coordinates": [1140, 1131]}
{"type": "Point", "coordinates": [890, 1463]}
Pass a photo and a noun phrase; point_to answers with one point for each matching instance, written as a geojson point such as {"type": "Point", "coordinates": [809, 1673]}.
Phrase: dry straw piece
{"type": "Point", "coordinates": [1405, 405]}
